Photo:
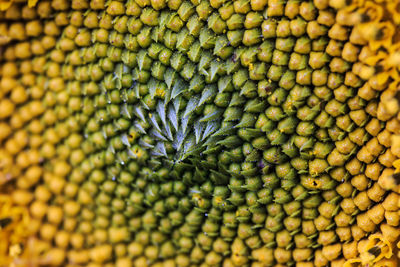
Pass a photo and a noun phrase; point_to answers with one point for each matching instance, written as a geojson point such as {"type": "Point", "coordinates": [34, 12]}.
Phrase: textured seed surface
{"type": "Point", "coordinates": [199, 133]}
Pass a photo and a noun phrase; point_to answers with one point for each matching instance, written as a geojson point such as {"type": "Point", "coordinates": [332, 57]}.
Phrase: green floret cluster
{"type": "Point", "coordinates": [194, 133]}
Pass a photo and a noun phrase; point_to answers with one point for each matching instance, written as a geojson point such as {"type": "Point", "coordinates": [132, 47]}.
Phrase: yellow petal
{"type": "Point", "coordinates": [392, 7]}
{"type": "Point", "coordinates": [393, 60]}
{"type": "Point", "coordinates": [32, 3]}
{"type": "Point", "coordinates": [395, 85]}
{"type": "Point", "coordinates": [396, 165]}
{"type": "Point", "coordinates": [374, 59]}
{"type": "Point", "coordinates": [372, 10]}
{"type": "Point", "coordinates": [394, 74]}
{"type": "Point", "coordinates": [349, 263]}
{"type": "Point", "coordinates": [379, 241]}
{"type": "Point", "coordinates": [4, 5]}
{"type": "Point", "coordinates": [378, 34]}
{"type": "Point", "coordinates": [354, 5]}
